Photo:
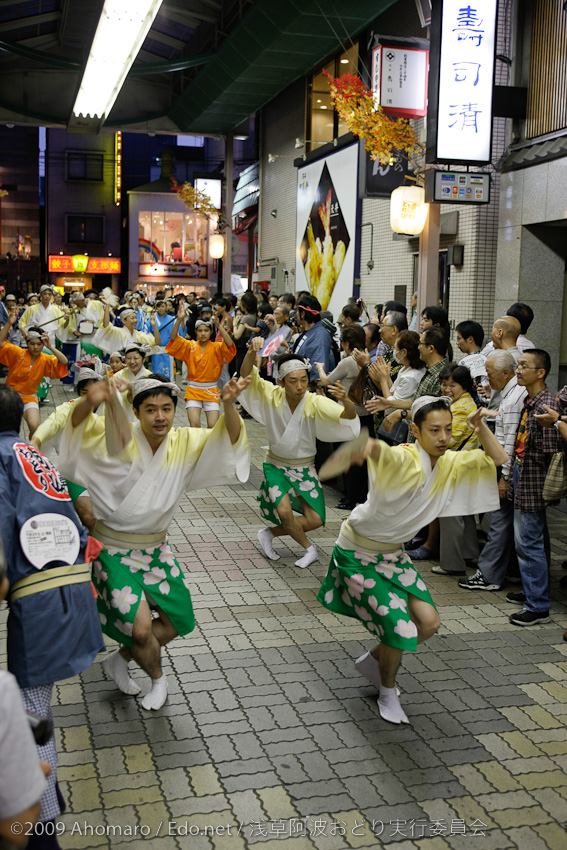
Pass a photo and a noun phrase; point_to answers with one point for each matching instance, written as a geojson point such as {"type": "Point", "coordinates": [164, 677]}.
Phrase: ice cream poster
{"type": "Point", "coordinates": [326, 219]}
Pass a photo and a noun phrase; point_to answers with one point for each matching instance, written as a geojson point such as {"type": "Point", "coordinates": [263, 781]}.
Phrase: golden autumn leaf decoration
{"type": "Point", "coordinates": [3, 193]}
{"type": "Point", "coordinates": [385, 137]}
{"type": "Point", "coordinates": [193, 199]}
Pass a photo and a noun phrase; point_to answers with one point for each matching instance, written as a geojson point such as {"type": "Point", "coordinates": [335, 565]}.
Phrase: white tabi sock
{"type": "Point", "coordinates": [116, 668]}
{"type": "Point", "coordinates": [369, 667]}
{"type": "Point", "coordinates": [389, 706]}
{"type": "Point", "coordinates": [265, 538]}
{"type": "Point", "coordinates": [309, 557]}
{"type": "Point", "coordinates": [157, 696]}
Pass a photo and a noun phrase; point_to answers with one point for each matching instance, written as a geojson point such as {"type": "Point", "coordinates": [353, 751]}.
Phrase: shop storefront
{"type": "Point", "coordinates": [169, 247]}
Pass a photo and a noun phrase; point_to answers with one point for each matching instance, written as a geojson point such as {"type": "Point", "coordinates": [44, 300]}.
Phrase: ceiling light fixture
{"type": "Point", "coordinates": [344, 61]}
{"type": "Point", "coordinates": [121, 30]}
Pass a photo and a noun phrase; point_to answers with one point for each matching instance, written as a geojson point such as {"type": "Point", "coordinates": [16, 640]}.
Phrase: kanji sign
{"type": "Point", "coordinates": [465, 35]}
{"type": "Point", "coordinates": [85, 265]}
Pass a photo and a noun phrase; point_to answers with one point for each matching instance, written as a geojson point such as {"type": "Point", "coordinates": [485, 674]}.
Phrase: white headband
{"type": "Point", "coordinates": [424, 400]}
{"type": "Point", "coordinates": [34, 335]}
{"type": "Point", "coordinates": [206, 322]}
{"type": "Point", "coordinates": [142, 349]}
{"type": "Point", "coordinates": [294, 366]}
{"type": "Point", "coordinates": [87, 374]}
{"type": "Point", "coordinates": [44, 287]}
{"type": "Point", "coordinates": [125, 313]}
{"type": "Point", "coordinates": [143, 384]}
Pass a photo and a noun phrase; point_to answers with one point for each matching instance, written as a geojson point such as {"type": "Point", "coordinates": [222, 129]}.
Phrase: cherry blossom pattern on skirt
{"type": "Point", "coordinates": [374, 589]}
{"type": "Point", "coordinates": [123, 578]}
{"type": "Point", "coordinates": [295, 481]}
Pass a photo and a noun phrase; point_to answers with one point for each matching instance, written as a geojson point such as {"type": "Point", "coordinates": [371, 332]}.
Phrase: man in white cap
{"type": "Point", "coordinates": [135, 492]}
{"type": "Point", "coordinates": [294, 419]}
{"type": "Point", "coordinates": [85, 317]}
{"type": "Point", "coordinates": [45, 315]}
{"type": "Point", "coordinates": [370, 577]}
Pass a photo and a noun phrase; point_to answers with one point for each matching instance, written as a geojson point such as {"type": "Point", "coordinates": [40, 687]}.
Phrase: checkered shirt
{"type": "Point", "coordinates": [429, 385]}
{"type": "Point", "coordinates": [540, 444]}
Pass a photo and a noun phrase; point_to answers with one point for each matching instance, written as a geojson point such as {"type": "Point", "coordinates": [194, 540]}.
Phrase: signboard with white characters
{"type": "Point", "coordinates": [466, 81]}
{"type": "Point", "coordinates": [399, 80]}
{"type": "Point", "coordinates": [326, 223]}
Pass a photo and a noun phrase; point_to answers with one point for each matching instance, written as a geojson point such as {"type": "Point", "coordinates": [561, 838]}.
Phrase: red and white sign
{"type": "Point", "coordinates": [95, 265]}
{"type": "Point", "coordinates": [399, 80]}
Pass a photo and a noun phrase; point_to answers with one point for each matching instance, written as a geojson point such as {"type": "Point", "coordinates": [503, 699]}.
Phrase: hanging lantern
{"type": "Point", "coordinates": [216, 246]}
{"type": "Point", "coordinates": [80, 263]}
{"type": "Point", "coordinates": [408, 210]}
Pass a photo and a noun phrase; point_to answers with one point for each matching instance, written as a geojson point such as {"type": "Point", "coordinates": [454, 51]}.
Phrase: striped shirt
{"type": "Point", "coordinates": [506, 424]}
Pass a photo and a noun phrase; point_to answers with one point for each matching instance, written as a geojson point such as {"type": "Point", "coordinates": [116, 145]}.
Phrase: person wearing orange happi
{"type": "Point", "coordinates": [28, 368]}
{"type": "Point", "coordinates": [204, 359]}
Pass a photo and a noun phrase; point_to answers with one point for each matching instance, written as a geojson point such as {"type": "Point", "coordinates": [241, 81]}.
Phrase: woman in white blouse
{"type": "Point", "coordinates": [406, 352]}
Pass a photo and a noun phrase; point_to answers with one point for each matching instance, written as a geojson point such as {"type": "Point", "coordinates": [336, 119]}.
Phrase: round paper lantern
{"type": "Point", "coordinates": [408, 210]}
{"type": "Point", "coordinates": [216, 246]}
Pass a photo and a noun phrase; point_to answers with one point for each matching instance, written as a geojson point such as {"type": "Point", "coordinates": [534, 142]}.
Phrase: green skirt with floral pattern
{"type": "Point", "coordinates": [297, 481]}
{"type": "Point", "coordinates": [123, 578]}
{"type": "Point", "coordinates": [374, 589]}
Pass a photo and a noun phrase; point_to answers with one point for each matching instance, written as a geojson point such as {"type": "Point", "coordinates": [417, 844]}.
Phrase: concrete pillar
{"type": "Point", "coordinates": [229, 195]}
{"type": "Point", "coordinates": [428, 261]}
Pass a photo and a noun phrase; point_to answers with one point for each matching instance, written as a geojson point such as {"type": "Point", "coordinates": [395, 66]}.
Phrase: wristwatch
{"type": "Point", "coordinates": [556, 424]}
{"type": "Point", "coordinates": [404, 414]}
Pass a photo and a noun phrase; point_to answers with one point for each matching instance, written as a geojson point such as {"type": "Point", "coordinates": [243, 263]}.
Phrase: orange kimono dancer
{"type": "Point", "coordinates": [203, 366]}
{"type": "Point", "coordinates": [25, 376]}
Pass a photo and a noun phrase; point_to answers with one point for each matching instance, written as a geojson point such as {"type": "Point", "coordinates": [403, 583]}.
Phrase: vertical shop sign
{"type": "Point", "coordinates": [464, 39]}
{"type": "Point", "coordinates": [399, 80]}
{"type": "Point", "coordinates": [326, 227]}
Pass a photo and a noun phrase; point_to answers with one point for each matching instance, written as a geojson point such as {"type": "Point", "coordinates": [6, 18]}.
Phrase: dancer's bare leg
{"type": "Point", "coordinates": [296, 526]}
{"type": "Point", "coordinates": [427, 622]}
{"type": "Point", "coordinates": [212, 418]}
{"type": "Point", "coordinates": [194, 416]}
{"type": "Point", "coordinates": [31, 415]}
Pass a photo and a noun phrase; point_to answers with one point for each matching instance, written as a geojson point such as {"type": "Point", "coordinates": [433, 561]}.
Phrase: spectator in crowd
{"type": "Point", "coordinates": [314, 342]}
{"type": "Point", "coordinates": [498, 557]}
{"type": "Point", "coordinates": [413, 320]}
{"type": "Point", "coordinates": [22, 775]}
{"type": "Point", "coordinates": [350, 315]}
{"type": "Point", "coordinates": [406, 353]}
{"type": "Point", "coordinates": [437, 317]}
{"type": "Point", "coordinates": [505, 333]}
{"type": "Point", "coordinates": [355, 480]}
{"type": "Point", "coordinates": [53, 628]}
{"type": "Point", "coordinates": [288, 299]}
{"type": "Point", "coordinates": [244, 327]}
{"type": "Point", "coordinates": [470, 336]}
{"type": "Point", "coordinates": [458, 543]}
{"type": "Point", "coordinates": [533, 450]}
{"type": "Point", "coordinates": [373, 339]}
{"type": "Point", "coordinates": [524, 314]}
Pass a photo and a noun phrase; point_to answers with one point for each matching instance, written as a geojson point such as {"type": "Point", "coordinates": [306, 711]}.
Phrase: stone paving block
{"type": "Point", "coordinates": [251, 781]}
{"type": "Point", "coordinates": [85, 795]}
{"type": "Point", "coordinates": [547, 779]}
{"type": "Point", "coordinates": [175, 783]}
{"type": "Point", "coordinates": [508, 800]}
{"type": "Point", "coordinates": [527, 816]}
{"type": "Point", "coordinates": [493, 839]}
{"type": "Point", "coordinates": [471, 778]}
{"type": "Point", "coordinates": [471, 754]}
{"type": "Point", "coordinates": [184, 808]}
{"type": "Point", "coordinates": [470, 810]}
{"type": "Point", "coordinates": [496, 745]}
{"type": "Point", "coordinates": [138, 758]}
{"type": "Point", "coordinates": [247, 805]}
{"type": "Point", "coordinates": [316, 766]}
{"type": "Point", "coordinates": [70, 773]}
{"type": "Point", "coordinates": [313, 806]}
{"type": "Point", "coordinates": [539, 764]}
{"type": "Point", "coordinates": [498, 776]}
{"type": "Point", "coordinates": [133, 797]}
{"type": "Point", "coordinates": [524, 836]}
{"type": "Point", "coordinates": [364, 790]}
{"type": "Point", "coordinates": [552, 801]}
{"type": "Point", "coordinates": [77, 738]}
{"type": "Point", "coordinates": [277, 803]}
{"type": "Point", "coordinates": [81, 830]}
{"type": "Point", "coordinates": [129, 780]}
{"type": "Point", "coordinates": [552, 834]}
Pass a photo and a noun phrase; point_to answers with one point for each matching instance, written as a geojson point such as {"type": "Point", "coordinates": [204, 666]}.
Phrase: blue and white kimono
{"type": "Point", "coordinates": [53, 634]}
{"type": "Point", "coordinates": [162, 362]}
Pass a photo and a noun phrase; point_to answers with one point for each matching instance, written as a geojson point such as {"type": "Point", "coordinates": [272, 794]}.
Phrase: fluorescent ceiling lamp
{"type": "Point", "coordinates": [121, 30]}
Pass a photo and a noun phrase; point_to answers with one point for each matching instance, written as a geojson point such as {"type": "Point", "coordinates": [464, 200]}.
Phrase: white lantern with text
{"type": "Point", "coordinates": [408, 210]}
{"type": "Point", "coordinates": [216, 246]}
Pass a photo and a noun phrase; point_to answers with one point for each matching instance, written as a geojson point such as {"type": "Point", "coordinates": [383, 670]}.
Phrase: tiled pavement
{"type": "Point", "coordinates": [271, 738]}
